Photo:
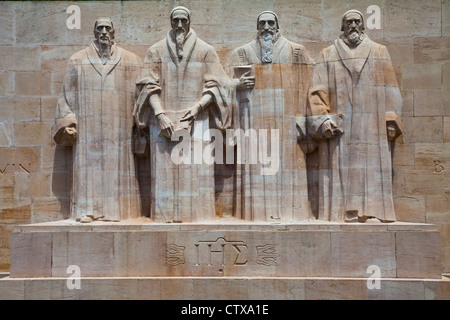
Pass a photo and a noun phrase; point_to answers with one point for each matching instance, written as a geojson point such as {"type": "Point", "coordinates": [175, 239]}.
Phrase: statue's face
{"type": "Point", "coordinates": [353, 25]}
{"type": "Point", "coordinates": [180, 21]}
{"type": "Point", "coordinates": [104, 31]}
{"type": "Point", "coordinates": [267, 23]}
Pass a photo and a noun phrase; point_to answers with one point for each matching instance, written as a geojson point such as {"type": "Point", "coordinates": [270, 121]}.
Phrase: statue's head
{"type": "Point", "coordinates": [104, 31]}
{"type": "Point", "coordinates": [267, 22]}
{"type": "Point", "coordinates": [268, 33]}
{"type": "Point", "coordinates": [180, 19]}
{"type": "Point", "coordinates": [353, 26]}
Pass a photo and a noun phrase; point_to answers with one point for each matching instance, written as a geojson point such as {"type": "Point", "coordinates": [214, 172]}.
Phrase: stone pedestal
{"type": "Point", "coordinates": [226, 261]}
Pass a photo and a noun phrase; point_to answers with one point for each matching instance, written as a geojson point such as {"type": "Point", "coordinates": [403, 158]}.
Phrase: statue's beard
{"type": "Point", "coordinates": [104, 48]}
{"type": "Point", "coordinates": [354, 37]}
{"type": "Point", "coordinates": [267, 39]}
{"type": "Point", "coordinates": [180, 38]}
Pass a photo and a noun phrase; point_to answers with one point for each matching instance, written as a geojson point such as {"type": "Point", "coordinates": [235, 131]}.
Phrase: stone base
{"type": "Point", "coordinates": [223, 288]}
{"type": "Point", "coordinates": [228, 250]}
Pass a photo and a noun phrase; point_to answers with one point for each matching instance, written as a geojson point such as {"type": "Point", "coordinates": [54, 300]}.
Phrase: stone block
{"type": "Point", "coordinates": [421, 76]}
{"type": "Point", "coordinates": [408, 102]}
{"type": "Point", "coordinates": [16, 58]}
{"type": "Point", "coordinates": [398, 290]}
{"type": "Point", "coordinates": [401, 50]}
{"type": "Point", "coordinates": [120, 289]}
{"type": "Point", "coordinates": [423, 182]}
{"type": "Point", "coordinates": [335, 289]}
{"type": "Point", "coordinates": [446, 76]}
{"type": "Point", "coordinates": [437, 210]}
{"type": "Point", "coordinates": [332, 17]}
{"type": "Point", "coordinates": [7, 22]}
{"type": "Point", "coordinates": [7, 186]}
{"type": "Point", "coordinates": [19, 160]}
{"type": "Point", "coordinates": [276, 289]}
{"type": "Point", "coordinates": [138, 254]}
{"type": "Point", "coordinates": [446, 129]}
{"type": "Point", "coordinates": [33, 134]}
{"type": "Point", "coordinates": [403, 155]}
{"type": "Point", "coordinates": [299, 20]}
{"type": "Point", "coordinates": [50, 209]}
{"type": "Point", "coordinates": [406, 19]}
{"type": "Point", "coordinates": [22, 185]}
{"type": "Point", "coordinates": [91, 252]}
{"type": "Point", "coordinates": [418, 254]}
{"type": "Point", "coordinates": [437, 290]}
{"type": "Point", "coordinates": [33, 83]}
{"type": "Point", "coordinates": [431, 49]}
{"type": "Point", "coordinates": [353, 252]}
{"type": "Point", "coordinates": [427, 130]}
{"type": "Point", "coordinates": [144, 22]}
{"type": "Point", "coordinates": [428, 103]}
{"type": "Point", "coordinates": [6, 83]}
{"type": "Point", "coordinates": [246, 13]}
{"type": "Point", "coordinates": [41, 23]}
{"type": "Point", "coordinates": [6, 134]}
{"type": "Point", "coordinates": [56, 57]}
{"type": "Point", "coordinates": [430, 156]}
{"type": "Point", "coordinates": [48, 108]}
{"type": "Point", "coordinates": [56, 159]}
{"type": "Point", "coordinates": [410, 209]}
{"type": "Point", "coordinates": [220, 289]}
{"type": "Point", "coordinates": [12, 289]}
{"type": "Point", "coordinates": [31, 254]}
{"type": "Point", "coordinates": [445, 18]}
{"type": "Point", "coordinates": [19, 108]}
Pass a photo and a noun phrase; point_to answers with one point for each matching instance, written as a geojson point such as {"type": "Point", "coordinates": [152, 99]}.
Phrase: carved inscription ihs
{"type": "Point", "coordinates": [221, 252]}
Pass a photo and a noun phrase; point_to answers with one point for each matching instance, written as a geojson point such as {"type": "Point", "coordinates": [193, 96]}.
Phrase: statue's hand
{"type": "Point", "coordinates": [70, 133]}
{"type": "Point", "coordinates": [330, 129]}
{"type": "Point", "coordinates": [246, 82]}
{"type": "Point", "coordinates": [166, 124]}
{"type": "Point", "coordinates": [192, 113]}
{"type": "Point", "coordinates": [391, 131]}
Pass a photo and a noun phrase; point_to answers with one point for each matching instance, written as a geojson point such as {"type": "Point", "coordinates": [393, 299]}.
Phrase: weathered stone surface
{"type": "Point", "coordinates": [431, 49]}
{"type": "Point", "coordinates": [7, 22]}
{"type": "Point", "coordinates": [130, 250]}
{"type": "Point", "coordinates": [32, 254]}
{"type": "Point", "coordinates": [407, 18]}
{"type": "Point", "coordinates": [31, 134]}
{"type": "Point", "coordinates": [19, 58]}
{"type": "Point", "coordinates": [33, 83]}
{"type": "Point", "coordinates": [421, 76]}
{"type": "Point", "coordinates": [41, 23]}
{"type": "Point", "coordinates": [418, 253]}
{"type": "Point", "coordinates": [6, 83]}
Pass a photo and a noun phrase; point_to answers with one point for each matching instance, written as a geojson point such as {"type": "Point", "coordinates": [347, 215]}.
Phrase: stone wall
{"type": "Point", "coordinates": [35, 45]}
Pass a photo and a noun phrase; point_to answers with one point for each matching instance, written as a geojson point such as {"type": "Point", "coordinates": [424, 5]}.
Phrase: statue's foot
{"type": "Point", "coordinates": [86, 219]}
{"type": "Point", "coordinates": [373, 220]}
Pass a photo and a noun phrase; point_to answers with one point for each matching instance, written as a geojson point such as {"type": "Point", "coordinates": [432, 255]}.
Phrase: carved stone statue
{"type": "Point", "coordinates": [275, 191]}
{"type": "Point", "coordinates": [356, 105]}
{"type": "Point", "coordinates": [182, 80]}
{"type": "Point", "coordinates": [94, 115]}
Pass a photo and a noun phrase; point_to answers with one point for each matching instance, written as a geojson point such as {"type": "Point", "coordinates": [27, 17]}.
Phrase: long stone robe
{"type": "Point", "coordinates": [182, 192]}
{"type": "Point", "coordinates": [277, 102]}
{"type": "Point", "coordinates": [98, 98]}
{"type": "Point", "coordinates": [358, 88]}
